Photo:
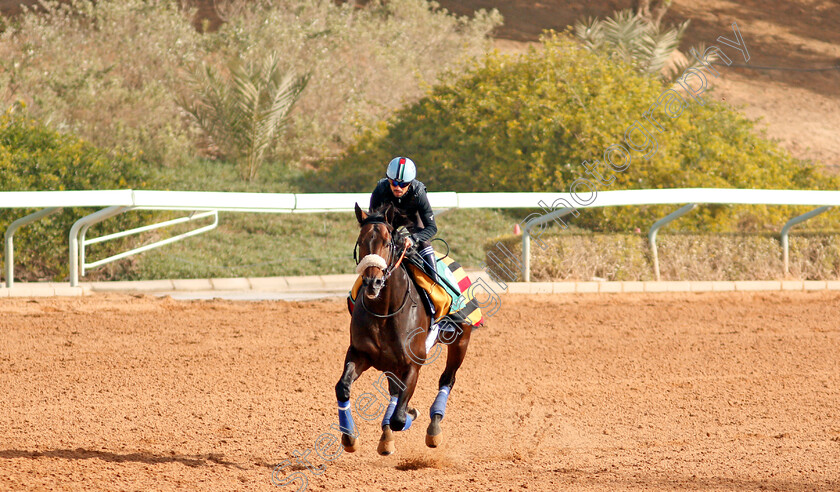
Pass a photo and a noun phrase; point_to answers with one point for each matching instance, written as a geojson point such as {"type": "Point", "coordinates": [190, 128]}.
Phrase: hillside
{"type": "Point", "coordinates": [800, 108]}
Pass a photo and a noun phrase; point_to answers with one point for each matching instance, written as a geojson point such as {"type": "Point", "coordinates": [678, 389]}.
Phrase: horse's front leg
{"type": "Point", "coordinates": [401, 420]}
{"type": "Point", "coordinates": [398, 416]}
{"type": "Point", "coordinates": [355, 363]}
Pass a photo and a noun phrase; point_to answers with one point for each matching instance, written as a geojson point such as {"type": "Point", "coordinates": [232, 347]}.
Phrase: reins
{"type": "Point", "coordinates": [389, 270]}
{"type": "Point", "coordinates": [386, 273]}
{"type": "Point", "coordinates": [405, 299]}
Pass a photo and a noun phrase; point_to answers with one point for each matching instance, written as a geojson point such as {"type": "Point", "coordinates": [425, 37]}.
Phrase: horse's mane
{"type": "Point", "coordinates": [380, 215]}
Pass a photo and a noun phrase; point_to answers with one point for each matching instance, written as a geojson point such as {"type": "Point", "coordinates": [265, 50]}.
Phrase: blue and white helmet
{"type": "Point", "coordinates": [401, 169]}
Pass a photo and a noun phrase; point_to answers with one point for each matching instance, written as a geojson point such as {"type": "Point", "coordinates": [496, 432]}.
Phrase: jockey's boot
{"type": "Point", "coordinates": [428, 255]}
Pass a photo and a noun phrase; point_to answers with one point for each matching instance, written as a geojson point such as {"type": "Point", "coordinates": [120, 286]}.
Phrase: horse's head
{"type": "Point", "coordinates": [376, 247]}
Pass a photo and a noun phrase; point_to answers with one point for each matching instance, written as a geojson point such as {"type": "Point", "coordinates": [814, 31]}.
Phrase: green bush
{"type": "Point", "coordinates": [36, 158]}
{"type": "Point", "coordinates": [526, 124]}
{"type": "Point", "coordinates": [627, 257]}
{"type": "Point", "coordinates": [105, 71]}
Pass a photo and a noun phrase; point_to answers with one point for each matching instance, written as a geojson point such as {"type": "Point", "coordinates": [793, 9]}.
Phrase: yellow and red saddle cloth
{"type": "Point", "coordinates": [451, 297]}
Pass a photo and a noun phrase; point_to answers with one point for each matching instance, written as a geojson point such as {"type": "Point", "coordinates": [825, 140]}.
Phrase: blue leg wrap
{"type": "Point", "coordinates": [386, 420]}
{"type": "Point", "coordinates": [345, 418]}
{"type": "Point", "coordinates": [408, 420]}
{"type": "Point", "coordinates": [439, 406]}
{"type": "Point", "coordinates": [389, 412]}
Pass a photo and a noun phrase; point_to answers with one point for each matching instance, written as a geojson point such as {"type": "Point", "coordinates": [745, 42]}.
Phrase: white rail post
{"type": "Point", "coordinates": [526, 238]}
{"type": "Point", "coordinates": [655, 228]}
{"type": "Point", "coordinates": [526, 254]}
{"type": "Point", "coordinates": [10, 234]}
{"type": "Point", "coordinates": [87, 220]}
{"type": "Point", "coordinates": [786, 230]}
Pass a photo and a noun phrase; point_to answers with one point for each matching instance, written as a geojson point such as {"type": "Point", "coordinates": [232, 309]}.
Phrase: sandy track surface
{"type": "Point", "coordinates": [720, 391]}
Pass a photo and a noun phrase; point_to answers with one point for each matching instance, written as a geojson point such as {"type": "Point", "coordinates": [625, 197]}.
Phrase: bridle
{"type": "Point", "coordinates": [393, 246]}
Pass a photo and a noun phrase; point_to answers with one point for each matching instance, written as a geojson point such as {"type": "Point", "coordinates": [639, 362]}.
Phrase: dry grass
{"type": "Point", "coordinates": [813, 256]}
{"type": "Point", "coordinates": [109, 70]}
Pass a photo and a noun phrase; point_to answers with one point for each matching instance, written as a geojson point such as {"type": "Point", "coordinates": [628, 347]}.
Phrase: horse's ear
{"type": "Point", "coordinates": [360, 215]}
{"type": "Point", "coordinates": [389, 214]}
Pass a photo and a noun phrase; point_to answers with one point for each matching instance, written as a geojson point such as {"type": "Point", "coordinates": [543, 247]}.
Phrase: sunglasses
{"type": "Point", "coordinates": [399, 184]}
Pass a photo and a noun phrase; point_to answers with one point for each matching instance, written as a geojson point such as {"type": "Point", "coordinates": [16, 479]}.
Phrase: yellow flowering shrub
{"type": "Point", "coordinates": [527, 123]}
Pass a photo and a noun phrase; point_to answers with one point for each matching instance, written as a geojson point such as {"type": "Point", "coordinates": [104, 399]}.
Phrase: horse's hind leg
{"type": "Point", "coordinates": [454, 357]}
{"type": "Point", "coordinates": [355, 364]}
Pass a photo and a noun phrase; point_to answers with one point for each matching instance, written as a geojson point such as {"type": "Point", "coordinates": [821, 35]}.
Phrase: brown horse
{"type": "Point", "coordinates": [388, 331]}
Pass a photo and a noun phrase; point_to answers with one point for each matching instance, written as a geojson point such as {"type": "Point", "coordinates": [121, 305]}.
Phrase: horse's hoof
{"type": "Point", "coordinates": [349, 443]}
{"type": "Point", "coordinates": [386, 442]}
{"type": "Point", "coordinates": [433, 441]}
{"type": "Point", "coordinates": [434, 434]}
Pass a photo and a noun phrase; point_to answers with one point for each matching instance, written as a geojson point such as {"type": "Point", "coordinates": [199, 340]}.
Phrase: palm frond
{"type": "Point", "coordinates": [590, 31]}
{"type": "Point", "coordinates": [680, 67]}
{"type": "Point", "coordinates": [243, 112]}
{"type": "Point", "coordinates": [658, 48]}
{"type": "Point", "coordinates": [624, 30]}
{"type": "Point", "coordinates": [634, 39]}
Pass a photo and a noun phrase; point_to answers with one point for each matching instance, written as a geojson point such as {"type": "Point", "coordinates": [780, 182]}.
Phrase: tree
{"type": "Point", "coordinates": [640, 41]}
{"type": "Point", "coordinates": [242, 111]}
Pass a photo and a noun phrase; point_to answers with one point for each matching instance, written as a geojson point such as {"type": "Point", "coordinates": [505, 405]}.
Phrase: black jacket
{"type": "Point", "coordinates": [414, 204]}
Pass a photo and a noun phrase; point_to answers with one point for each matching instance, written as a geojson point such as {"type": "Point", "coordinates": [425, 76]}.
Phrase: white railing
{"type": "Point", "coordinates": [206, 204]}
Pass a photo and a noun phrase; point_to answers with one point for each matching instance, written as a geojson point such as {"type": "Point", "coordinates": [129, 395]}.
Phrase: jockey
{"type": "Point", "coordinates": [400, 188]}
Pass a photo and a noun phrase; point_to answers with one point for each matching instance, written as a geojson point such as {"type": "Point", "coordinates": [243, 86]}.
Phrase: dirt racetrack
{"type": "Point", "coordinates": [733, 391]}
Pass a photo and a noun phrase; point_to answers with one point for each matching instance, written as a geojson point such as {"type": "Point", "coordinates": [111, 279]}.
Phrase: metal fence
{"type": "Point", "coordinates": [210, 204]}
